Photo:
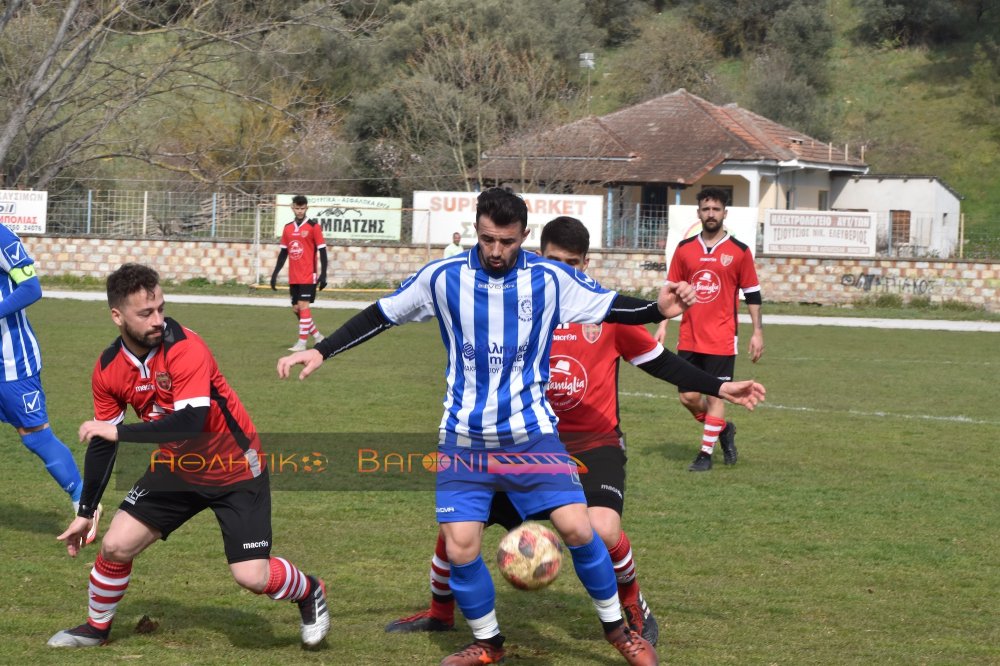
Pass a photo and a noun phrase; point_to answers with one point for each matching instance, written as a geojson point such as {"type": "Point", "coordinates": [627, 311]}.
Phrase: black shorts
{"type": "Point", "coordinates": [243, 511]}
{"type": "Point", "coordinates": [302, 292]}
{"type": "Point", "coordinates": [603, 485]}
{"type": "Point", "coordinates": [721, 367]}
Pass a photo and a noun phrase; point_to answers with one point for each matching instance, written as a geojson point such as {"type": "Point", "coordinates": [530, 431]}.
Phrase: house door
{"type": "Point", "coordinates": [651, 225]}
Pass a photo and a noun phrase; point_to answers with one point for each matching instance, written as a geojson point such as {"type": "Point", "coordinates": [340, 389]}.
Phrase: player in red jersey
{"type": "Point", "coordinates": [301, 239]}
{"type": "Point", "coordinates": [718, 266]}
{"type": "Point", "coordinates": [208, 458]}
{"type": "Point", "coordinates": [583, 391]}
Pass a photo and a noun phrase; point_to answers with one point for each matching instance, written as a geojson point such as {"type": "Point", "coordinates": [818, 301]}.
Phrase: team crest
{"type": "Point", "coordinates": [524, 309]}
{"type": "Point", "coordinates": [726, 259]}
{"type": "Point", "coordinates": [164, 381]}
{"type": "Point", "coordinates": [591, 332]}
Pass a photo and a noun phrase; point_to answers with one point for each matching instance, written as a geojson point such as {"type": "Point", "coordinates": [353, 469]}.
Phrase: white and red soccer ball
{"type": "Point", "coordinates": [530, 556]}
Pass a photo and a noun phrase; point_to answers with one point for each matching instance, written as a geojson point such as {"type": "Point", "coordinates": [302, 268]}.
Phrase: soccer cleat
{"type": "Point", "coordinates": [474, 654]}
{"type": "Point", "coordinates": [636, 649]}
{"type": "Point", "coordinates": [727, 440]}
{"type": "Point", "coordinates": [702, 463]}
{"type": "Point", "coordinates": [92, 534]}
{"type": "Point", "coordinates": [83, 636]}
{"type": "Point", "coordinates": [422, 621]}
{"type": "Point", "coordinates": [641, 620]}
{"type": "Point", "coordinates": [298, 346]}
{"type": "Point", "coordinates": [315, 616]}
{"type": "Point", "coordinates": [318, 338]}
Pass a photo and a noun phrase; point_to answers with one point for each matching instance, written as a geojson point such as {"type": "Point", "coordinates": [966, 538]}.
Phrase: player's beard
{"type": "Point", "coordinates": [148, 340]}
{"type": "Point", "coordinates": [711, 225]}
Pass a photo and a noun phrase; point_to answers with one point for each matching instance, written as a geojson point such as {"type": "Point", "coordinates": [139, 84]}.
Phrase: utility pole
{"type": "Point", "coordinates": [587, 62]}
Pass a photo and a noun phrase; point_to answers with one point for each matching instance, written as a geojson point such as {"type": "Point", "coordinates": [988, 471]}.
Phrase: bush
{"type": "Point", "coordinates": [920, 303]}
{"type": "Point", "coordinates": [888, 301]}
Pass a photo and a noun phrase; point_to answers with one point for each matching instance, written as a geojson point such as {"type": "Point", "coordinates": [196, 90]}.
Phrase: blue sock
{"type": "Point", "coordinates": [473, 588]}
{"type": "Point", "coordinates": [57, 458]}
{"type": "Point", "coordinates": [594, 569]}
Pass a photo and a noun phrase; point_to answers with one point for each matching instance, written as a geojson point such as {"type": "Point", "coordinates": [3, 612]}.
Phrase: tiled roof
{"type": "Point", "coordinates": [675, 138]}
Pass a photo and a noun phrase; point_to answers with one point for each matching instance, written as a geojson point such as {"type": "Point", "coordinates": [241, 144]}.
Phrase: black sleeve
{"type": "Point", "coordinates": [360, 328]}
{"type": "Point", "coordinates": [753, 298]}
{"type": "Point", "coordinates": [629, 310]}
{"type": "Point", "coordinates": [98, 463]}
{"type": "Point", "coordinates": [281, 261]}
{"type": "Point", "coordinates": [184, 423]}
{"type": "Point", "coordinates": [322, 261]}
{"type": "Point", "coordinates": [670, 367]}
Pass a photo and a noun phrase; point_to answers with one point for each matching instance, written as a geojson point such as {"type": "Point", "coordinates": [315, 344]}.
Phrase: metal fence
{"type": "Point", "coordinates": [246, 217]}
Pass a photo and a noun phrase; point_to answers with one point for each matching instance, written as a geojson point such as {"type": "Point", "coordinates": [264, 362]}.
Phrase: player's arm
{"type": "Point", "coordinates": [322, 268]}
{"type": "Point", "coordinates": [98, 463]}
{"type": "Point", "coordinates": [282, 256]}
{"type": "Point", "coordinates": [671, 368]}
{"type": "Point", "coordinates": [180, 424]}
{"type": "Point", "coordinates": [27, 290]}
{"type": "Point", "coordinates": [674, 298]}
{"type": "Point", "coordinates": [360, 328]}
{"type": "Point", "coordinates": [754, 301]}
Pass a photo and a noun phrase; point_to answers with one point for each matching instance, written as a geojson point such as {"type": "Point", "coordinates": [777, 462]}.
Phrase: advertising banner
{"type": "Point", "coordinates": [23, 211]}
{"type": "Point", "coordinates": [820, 233]}
{"type": "Point", "coordinates": [347, 218]}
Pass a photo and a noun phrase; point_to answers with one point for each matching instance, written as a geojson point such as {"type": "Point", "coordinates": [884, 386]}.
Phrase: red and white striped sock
{"type": "Point", "coordinates": [442, 600]}
{"type": "Point", "coordinates": [108, 582]}
{"type": "Point", "coordinates": [305, 323]}
{"type": "Point", "coordinates": [286, 581]}
{"type": "Point", "coordinates": [621, 558]}
{"type": "Point", "coordinates": [713, 426]}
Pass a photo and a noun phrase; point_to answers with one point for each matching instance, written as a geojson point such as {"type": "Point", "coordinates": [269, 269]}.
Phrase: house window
{"type": "Point", "coordinates": [824, 200]}
{"type": "Point", "coordinates": [900, 227]}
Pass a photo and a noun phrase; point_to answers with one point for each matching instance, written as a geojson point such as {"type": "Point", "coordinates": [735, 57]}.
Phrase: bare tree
{"type": "Point", "coordinates": [193, 87]}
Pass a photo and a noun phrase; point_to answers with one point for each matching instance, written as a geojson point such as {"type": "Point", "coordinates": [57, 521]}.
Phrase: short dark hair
{"type": "Point", "coordinates": [300, 200]}
{"type": "Point", "coordinates": [568, 233]}
{"type": "Point", "coordinates": [502, 206]}
{"type": "Point", "coordinates": [127, 280]}
{"type": "Point", "coordinates": [714, 193]}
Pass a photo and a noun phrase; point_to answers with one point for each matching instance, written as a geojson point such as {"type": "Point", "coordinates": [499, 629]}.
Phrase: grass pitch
{"type": "Point", "coordinates": [859, 526]}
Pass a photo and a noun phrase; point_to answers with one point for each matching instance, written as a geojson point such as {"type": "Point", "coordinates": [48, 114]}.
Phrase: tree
{"type": "Point", "coordinates": [179, 85]}
{"type": "Point", "coordinates": [904, 22]}
{"type": "Point", "coordinates": [776, 91]}
{"type": "Point", "coordinates": [805, 33]}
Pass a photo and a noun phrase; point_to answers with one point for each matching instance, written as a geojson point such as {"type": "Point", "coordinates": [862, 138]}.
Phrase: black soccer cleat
{"type": "Point", "coordinates": [702, 463]}
{"type": "Point", "coordinates": [84, 635]}
{"type": "Point", "coordinates": [641, 620]}
{"type": "Point", "coordinates": [727, 441]}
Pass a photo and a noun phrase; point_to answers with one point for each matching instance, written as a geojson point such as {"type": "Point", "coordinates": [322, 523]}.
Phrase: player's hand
{"type": "Point", "coordinates": [103, 429]}
{"type": "Point", "coordinates": [274, 282]}
{"type": "Point", "coordinates": [756, 346]}
{"type": "Point", "coordinates": [310, 358]}
{"type": "Point", "coordinates": [675, 298]}
{"type": "Point", "coordinates": [661, 332]}
{"type": "Point", "coordinates": [322, 282]}
{"type": "Point", "coordinates": [75, 534]}
{"type": "Point", "coordinates": [747, 393]}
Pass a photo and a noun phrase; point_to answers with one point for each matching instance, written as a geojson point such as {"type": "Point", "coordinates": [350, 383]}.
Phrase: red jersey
{"type": "Point", "coordinates": [181, 372]}
{"type": "Point", "coordinates": [583, 379]}
{"type": "Point", "coordinates": [302, 241]}
{"type": "Point", "coordinates": [717, 274]}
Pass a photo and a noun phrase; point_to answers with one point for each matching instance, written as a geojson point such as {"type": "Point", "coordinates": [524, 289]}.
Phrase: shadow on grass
{"type": "Point", "coordinates": [28, 519]}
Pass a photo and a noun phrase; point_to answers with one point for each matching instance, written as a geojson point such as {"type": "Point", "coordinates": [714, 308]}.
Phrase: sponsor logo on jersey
{"type": "Point", "coordinates": [707, 285]}
{"type": "Point", "coordinates": [525, 308]}
{"type": "Point", "coordinates": [32, 401]}
{"type": "Point", "coordinates": [726, 259]}
{"type": "Point", "coordinates": [468, 351]}
{"type": "Point", "coordinates": [295, 250]}
{"type": "Point", "coordinates": [14, 253]}
{"type": "Point", "coordinates": [445, 509]}
{"type": "Point", "coordinates": [141, 388]}
{"type": "Point", "coordinates": [567, 383]}
{"type": "Point", "coordinates": [611, 489]}
{"type": "Point", "coordinates": [135, 494]}
{"type": "Point", "coordinates": [164, 381]}
{"type": "Point", "coordinates": [405, 283]}
{"type": "Point", "coordinates": [591, 332]}
{"type": "Point", "coordinates": [250, 545]}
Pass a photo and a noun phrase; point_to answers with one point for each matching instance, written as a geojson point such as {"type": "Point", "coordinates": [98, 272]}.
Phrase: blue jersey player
{"type": "Point", "coordinates": [497, 307]}
{"type": "Point", "coordinates": [22, 400]}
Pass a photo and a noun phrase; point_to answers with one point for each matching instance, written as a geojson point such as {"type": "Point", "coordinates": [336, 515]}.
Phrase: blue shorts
{"type": "Point", "coordinates": [538, 476]}
{"type": "Point", "coordinates": [22, 403]}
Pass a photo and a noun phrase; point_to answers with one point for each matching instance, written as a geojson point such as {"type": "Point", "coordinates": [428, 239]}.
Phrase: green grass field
{"type": "Point", "coordinates": [859, 526]}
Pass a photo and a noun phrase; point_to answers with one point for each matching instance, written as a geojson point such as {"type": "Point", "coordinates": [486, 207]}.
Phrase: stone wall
{"type": "Point", "coordinates": [827, 281]}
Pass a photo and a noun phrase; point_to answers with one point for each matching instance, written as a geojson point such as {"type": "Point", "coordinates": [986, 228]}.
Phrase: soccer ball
{"type": "Point", "coordinates": [530, 556]}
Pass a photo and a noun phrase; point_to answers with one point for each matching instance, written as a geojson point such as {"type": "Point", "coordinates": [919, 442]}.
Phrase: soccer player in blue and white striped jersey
{"type": "Point", "coordinates": [497, 306]}
{"type": "Point", "coordinates": [22, 400]}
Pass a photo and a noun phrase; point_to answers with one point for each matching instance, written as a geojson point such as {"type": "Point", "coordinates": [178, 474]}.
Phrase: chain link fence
{"type": "Point", "coordinates": [248, 217]}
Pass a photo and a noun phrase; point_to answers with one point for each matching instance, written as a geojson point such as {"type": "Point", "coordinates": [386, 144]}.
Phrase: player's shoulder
{"type": "Point", "coordinates": [174, 334]}
{"type": "Point", "coordinates": [743, 247]}
{"type": "Point", "coordinates": [688, 241]}
{"type": "Point", "coordinates": [109, 354]}
{"type": "Point", "coordinates": [8, 234]}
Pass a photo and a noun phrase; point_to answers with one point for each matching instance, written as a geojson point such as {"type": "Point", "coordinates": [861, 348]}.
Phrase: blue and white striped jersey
{"type": "Point", "coordinates": [21, 356]}
{"type": "Point", "coordinates": [497, 332]}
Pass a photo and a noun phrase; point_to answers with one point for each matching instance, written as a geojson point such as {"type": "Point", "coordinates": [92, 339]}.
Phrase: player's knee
{"type": "Point", "coordinates": [114, 549]}
{"type": "Point", "coordinates": [251, 575]}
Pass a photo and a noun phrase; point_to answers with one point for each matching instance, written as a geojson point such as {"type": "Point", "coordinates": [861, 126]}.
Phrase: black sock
{"type": "Point", "coordinates": [611, 626]}
{"type": "Point", "coordinates": [495, 641]}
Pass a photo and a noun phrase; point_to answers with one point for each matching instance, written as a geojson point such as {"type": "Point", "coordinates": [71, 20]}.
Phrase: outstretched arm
{"type": "Point", "coordinates": [747, 393]}
{"type": "Point", "coordinates": [360, 328]}
{"type": "Point", "coordinates": [27, 290]}
{"type": "Point", "coordinates": [674, 298]}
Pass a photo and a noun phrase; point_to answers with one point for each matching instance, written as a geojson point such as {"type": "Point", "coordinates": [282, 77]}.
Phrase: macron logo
{"type": "Point", "coordinates": [14, 253]}
{"type": "Point", "coordinates": [32, 401]}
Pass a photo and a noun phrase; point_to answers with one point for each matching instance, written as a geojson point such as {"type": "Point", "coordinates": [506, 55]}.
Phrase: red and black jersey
{"type": "Point", "coordinates": [717, 275]}
{"type": "Point", "coordinates": [583, 379]}
{"type": "Point", "coordinates": [181, 372]}
{"type": "Point", "coordinates": [302, 240]}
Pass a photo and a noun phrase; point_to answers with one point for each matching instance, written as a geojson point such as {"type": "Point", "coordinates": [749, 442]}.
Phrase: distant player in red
{"type": "Point", "coordinates": [208, 458]}
{"type": "Point", "coordinates": [301, 239]}
{"type": "Point", "coordinates": [583, 391]}
{"type": "Point", "coordinates": [717, 266]}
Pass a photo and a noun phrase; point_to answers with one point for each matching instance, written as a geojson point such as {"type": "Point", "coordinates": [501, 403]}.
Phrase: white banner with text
{"type": "Point", "coordinates": [346, 218]}
{"type": "Point", "coordinates": [23, 211]}
{"type": "Point", "coordinates": [819, 233]}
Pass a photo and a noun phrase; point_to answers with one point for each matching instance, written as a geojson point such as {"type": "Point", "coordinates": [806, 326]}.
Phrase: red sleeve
{"type": "Point", "coordinates": [748, 273]}
{"type": "Point", "coordinates": [107, 406]}
{"type": "Point", "coordinates": [190, 366]}
{"type": "Point", "coordinates": [676, 272]}
{"type": "Point", "coordinates": [318, 236]}
{"type": "Point", "coordinates": [633, 341]}
{"type": "Point", "coordinates": [284, 237]}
